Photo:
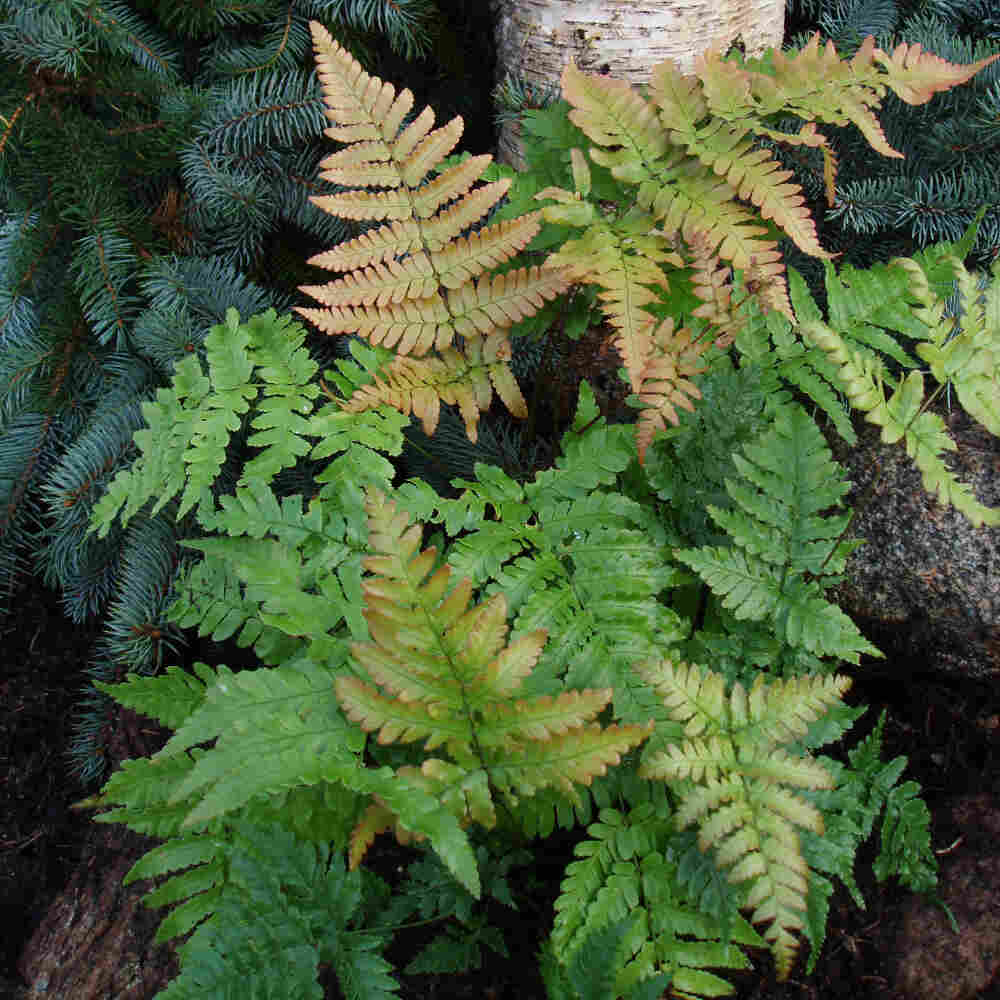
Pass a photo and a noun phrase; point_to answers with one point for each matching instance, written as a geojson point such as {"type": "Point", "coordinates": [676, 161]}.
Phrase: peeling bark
{"type": "Point", "coordinates": [624, 38]}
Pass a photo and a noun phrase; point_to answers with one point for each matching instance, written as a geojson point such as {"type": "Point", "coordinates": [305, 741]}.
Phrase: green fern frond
{"type": "Point", "coordinates": [139, 794]}
{"type": "Point", "coordinates": [286, 719]}
{"type": "Point", "coordinates": [739, 777]}
{"type": "Point", "coordinates": [865, 789]}
{"type": "Point", "coordinates": [902, 417]}
{"type": "Point", "coordinates": [968, 357]}
{"type": "Point", "coordinates": [210, 598]}
{"type": "Point", "coordinates": [265, 910]}
{"type": "Point", "coordinates": [290, 711]}
{"type": "Point", "coordinates": [865, 304]}
{"type": "Point", "coordinates": [191, 423]}
{"type": "Point", "coordinates": [169, 698]}
{"type": "Point", "coordinates": [784, 547]}
{"type": "Point", "coordinates": [772, 342]}
{"type": "Point", "coordinates": [624, 870]}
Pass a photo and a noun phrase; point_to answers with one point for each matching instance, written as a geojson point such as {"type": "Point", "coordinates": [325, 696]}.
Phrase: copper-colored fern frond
{"type": "Point", "coordinates": [916, 76]}
{"type": "Point", "coordinates": [626, 267]}
{"type": "Point", "coordinates": [420, 385]}
{"type": "Point", "coordinates": [726, 147]}
{"type": "Point", "coordinates": [414, 282]}
{"type": "Point", "coordinates": [711, 281]}
{"type": "Point", "coordinates": [444, 671]}
{"type": "Point", "coordinates": [666, 381]}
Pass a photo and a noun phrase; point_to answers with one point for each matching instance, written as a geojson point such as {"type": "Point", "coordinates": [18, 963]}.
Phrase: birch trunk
{"type": "Point", "coordinates": [624, 38]}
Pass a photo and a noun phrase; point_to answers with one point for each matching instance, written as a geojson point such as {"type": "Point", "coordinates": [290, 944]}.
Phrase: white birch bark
{"type": "Point", "coordinates": [623, 38]}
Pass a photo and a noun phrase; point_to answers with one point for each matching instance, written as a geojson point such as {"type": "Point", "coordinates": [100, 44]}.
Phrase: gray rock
{"type": "Point", "coordinates": [925, 588]}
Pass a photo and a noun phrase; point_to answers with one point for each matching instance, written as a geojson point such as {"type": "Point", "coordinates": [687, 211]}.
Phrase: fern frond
{"type": "Point", "coordinates": [288, 710]}
{"type": "Point", "coordinates": [567, 759]}
{"type": "Point", "coordinates": [689, 148]}
{"type": "Point", "coordinates": [413, 285]}
{"type": "Point", "coordinates": [711, 281]}
{"type": "Point", "coordinates": [613, 114]}
{"type": "Point", "coordinates": [624, 266]}
{"type": "Point", "coordinates": [265, 908]}
{"type": "Point", "coordinates": [740, 800]}
{"type": "Point", "coordinates": [450, 675]}
{"type": "Point", "coordinates": [665, 381]}
{"type": "Point", "coordinates": [190, 424]}
{"type": "Point", "coordinates": [140, 794]}
{"type": "Point", "coordinates": [753, 173]}
{"type": "Point", "coordinates": [901, 416]}
{"type": "Point", "coordinates": [625, 871]}
{"type": "Point", "coordinates": [461, 260]}
{"type": "Point", "coordinates": [420, 385]}
{"type": "Point", "coordinates": [966, 357]}
{"type": "Point", "coordinates": [169, 698]}
{"type": "Point", "coordinates": [210, 597]}
{"type": "Point", "coordinates": [916, 76]}
{"type": "Point", "coordinates": [379, 244]}
{"type": "Point", "coordinates": [785, 546]}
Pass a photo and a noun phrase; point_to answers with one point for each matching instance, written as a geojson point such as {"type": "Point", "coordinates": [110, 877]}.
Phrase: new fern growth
{"type": "Point", "coordinates": [686, 150]}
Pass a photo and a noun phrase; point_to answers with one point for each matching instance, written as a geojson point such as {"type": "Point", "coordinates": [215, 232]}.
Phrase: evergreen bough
{"type": "Point", "coordinates": [156, 164]}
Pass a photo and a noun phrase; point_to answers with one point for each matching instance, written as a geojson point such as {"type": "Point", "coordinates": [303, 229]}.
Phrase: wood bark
{"type": "Point", "coordinates": [623, 38]}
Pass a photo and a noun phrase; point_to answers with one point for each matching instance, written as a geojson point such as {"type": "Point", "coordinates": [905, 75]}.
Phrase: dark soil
{"type": "Point", "coordinates": [949, 731]}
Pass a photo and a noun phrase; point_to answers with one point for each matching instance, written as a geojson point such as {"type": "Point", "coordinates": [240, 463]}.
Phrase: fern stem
{"type": "Point", "coordinates": [543, 367]}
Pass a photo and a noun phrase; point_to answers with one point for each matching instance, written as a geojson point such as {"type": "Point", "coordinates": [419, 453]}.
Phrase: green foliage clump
{"type": "Point", "coordinates": [569, 649]}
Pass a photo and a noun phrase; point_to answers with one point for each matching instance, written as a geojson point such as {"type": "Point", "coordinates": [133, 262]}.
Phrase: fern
{"type": "Point", "coordinates": [267, 900]}
{"type": "Point", "coordinates": [526, 670]}
{"type": "Point", "coordinates": [783, 547]}
{"type": "Point", "coordinates": [430, 891]}
{"type": "Point", "coordinates": [591, 976]}
{"type": "Point", "coordinates": [453, 681]}
{"type": "Point", "coordinates": [688, 146]}
{"type": "Point", "coordinates": [192, 422]}
{"type": "Point", "coordinates": [624, 870]}
{"type": "Point", "coordinates": [964, 356]}
{"type": "Point", "coordinates": [740, 798]}
{"type": "Point", "coordinates": [414, 283]}
{"type": "Point", "coordinates": [865, 789]}
{"type": "Point", "coordinates": [508, 741]}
